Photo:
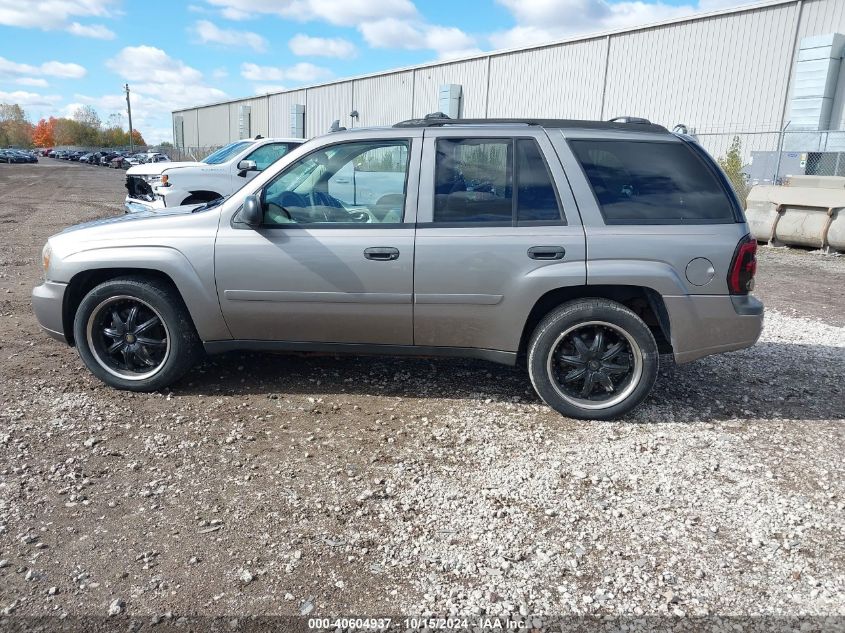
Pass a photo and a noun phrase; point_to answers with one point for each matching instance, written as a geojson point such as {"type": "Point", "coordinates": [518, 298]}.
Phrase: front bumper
{"type": "Point", "coordinates": [48, 303]}
{"type": "Point", "coordinates": [701, 325]}
{"type": "Point", "coordinates": [134, 205]}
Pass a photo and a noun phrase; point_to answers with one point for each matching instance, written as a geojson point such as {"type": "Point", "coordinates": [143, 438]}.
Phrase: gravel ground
{"type": "Point", "coordinates": [287, 485]}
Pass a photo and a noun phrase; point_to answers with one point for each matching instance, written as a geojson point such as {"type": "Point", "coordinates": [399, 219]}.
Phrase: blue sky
{"type": "Point", "coordinates": [56, 55]}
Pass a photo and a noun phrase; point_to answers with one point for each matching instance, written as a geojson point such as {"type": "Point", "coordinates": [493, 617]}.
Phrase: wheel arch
{"type": "Point", "coordinates": [646, 302]}
{"type": "Point", "coordinates": [202, 195]}
{"type": "Point", "coordinates": [167, 265]}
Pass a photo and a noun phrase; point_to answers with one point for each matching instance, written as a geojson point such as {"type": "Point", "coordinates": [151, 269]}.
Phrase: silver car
{"type": "Point", "coordinates": [582, 249]}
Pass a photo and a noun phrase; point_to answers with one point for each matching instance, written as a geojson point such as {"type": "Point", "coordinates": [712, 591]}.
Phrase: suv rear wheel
{"type": "Point", "coordinates": [135, 333]}
{"type": "Point", "coordinates": [592, 359]}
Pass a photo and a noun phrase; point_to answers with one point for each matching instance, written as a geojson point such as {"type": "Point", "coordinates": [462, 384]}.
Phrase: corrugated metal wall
{"type": "Point", "coordinates": [327, 104]}
{"type": "Point", "coordinates": [213, 125]}
{"type": "Point", "coordinates": [472, 75]}
{"type": "Point", "coordinates": [280, 111]}
{"type": "Point", "coordinates": [564, 81]}
{"type": "Point", "coordinates": [259, 117]}
{"type": "Point", "coordinates": [384, 100]}
{"type": "Point", "coordinates": [729, 71]}
{"type": "Point", "coordinates": [190, 128]}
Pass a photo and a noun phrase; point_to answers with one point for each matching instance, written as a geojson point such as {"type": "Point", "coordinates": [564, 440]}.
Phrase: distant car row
{"type": "Point", "coordinates": [108, 158]}
{"type": "Point", "coordinates": [18, 156]}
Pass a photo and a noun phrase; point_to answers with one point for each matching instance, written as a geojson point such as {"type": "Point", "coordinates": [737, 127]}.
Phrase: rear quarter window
{"type": "Point", "coordinates": [648, 182]}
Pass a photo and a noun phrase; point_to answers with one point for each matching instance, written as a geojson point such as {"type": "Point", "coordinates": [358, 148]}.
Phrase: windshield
{"type": "Point", "coordinates": [225, 153]}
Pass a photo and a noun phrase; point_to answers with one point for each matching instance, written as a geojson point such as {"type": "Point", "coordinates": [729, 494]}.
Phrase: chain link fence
{"type": "Point", "coordinates": [191, 153]}
{"type": "Point", "coordinates": [772, 156]}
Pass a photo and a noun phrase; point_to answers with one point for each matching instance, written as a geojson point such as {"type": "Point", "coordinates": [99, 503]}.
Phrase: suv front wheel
{"type": "Point", "coordinates": [592, 359]}
{"type": "Point", "coordinates": [135, 333]}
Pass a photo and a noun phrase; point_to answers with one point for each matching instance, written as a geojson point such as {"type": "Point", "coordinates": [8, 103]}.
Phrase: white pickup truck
{"type": "Point", "coordinates": [153, 186]}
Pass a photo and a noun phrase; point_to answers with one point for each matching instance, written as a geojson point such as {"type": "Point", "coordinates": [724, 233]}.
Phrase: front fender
{"type": "Point", "coordinates": [194, 281]}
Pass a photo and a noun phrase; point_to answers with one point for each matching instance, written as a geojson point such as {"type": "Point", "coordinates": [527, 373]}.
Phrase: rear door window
{"type": "Point", "coordinates": [493, 181]}
{"type": "Point", "coordinates": [647, 182]}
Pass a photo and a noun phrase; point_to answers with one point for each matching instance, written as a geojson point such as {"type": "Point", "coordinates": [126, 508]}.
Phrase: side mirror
{"type": "Point", "coordinates": [252, 214]}
{"type": "Point", "coordinates": [247, 165]}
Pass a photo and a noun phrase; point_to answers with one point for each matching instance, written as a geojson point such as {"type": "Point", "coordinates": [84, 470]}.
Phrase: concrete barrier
{"type": "Point", "coordinates": [807, 211]}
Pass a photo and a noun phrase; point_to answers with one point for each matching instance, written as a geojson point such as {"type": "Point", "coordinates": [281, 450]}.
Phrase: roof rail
{"type": "Point", "coordinates": [629, 119]}
{"type": "Point", "coordinates": [438, 119]}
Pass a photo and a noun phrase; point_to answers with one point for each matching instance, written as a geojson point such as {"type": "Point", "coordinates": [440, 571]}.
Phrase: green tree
{"type": "Point", "coordinates": [15, 128]}
{"type": "Point", "coordinates": [731, 164]}
{"type": "Point", "coordinates": [88, 126]}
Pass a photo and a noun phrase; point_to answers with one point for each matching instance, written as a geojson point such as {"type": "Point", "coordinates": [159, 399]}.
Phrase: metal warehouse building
{"type": "Point", "coordinates": [746, 71]}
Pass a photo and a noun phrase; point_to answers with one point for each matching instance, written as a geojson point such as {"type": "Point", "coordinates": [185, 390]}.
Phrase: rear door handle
{"type": "Point", "coordinates": [381, 253]}
{"type": "Point", "coordinates": [546, 252]}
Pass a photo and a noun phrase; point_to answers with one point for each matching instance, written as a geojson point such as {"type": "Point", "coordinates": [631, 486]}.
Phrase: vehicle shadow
{"type": "Point", "coordinates": [768, 381]}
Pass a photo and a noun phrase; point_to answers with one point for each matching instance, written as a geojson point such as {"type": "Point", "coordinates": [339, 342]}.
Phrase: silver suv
{"type": "Point", "coordinates": [583, 249]}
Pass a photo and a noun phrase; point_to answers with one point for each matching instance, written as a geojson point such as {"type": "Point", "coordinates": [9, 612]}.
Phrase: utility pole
{"type": "Point", "coordinates": [129, 112]}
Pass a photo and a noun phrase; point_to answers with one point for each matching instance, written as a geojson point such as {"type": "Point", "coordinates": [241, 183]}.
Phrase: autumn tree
{"type": "Point", "coordinates": [83, 129]}
{"type": "Point", "coordinates": [43, 133]}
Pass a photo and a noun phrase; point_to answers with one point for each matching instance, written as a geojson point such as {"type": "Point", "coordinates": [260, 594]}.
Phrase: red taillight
{"type": "Point", "coordinates": [743, 267]}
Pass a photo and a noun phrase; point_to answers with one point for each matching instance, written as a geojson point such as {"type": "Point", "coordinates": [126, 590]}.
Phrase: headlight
{"type": "Point", "coordinates": [151, 179]}
{"type": "Point", "coordinates": [46, 253]}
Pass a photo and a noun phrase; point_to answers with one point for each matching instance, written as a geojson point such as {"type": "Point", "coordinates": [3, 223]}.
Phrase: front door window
{"type": "Point", "coordinates": [361, 182]}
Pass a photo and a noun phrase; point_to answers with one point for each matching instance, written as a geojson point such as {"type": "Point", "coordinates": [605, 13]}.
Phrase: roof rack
{"type": "Point", "coordinates": [438, 119]}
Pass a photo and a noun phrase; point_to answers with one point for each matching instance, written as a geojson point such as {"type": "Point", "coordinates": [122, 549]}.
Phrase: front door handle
{"type": "Point", "coordinates": [381, 253]}
{"type": "Point", "coordinates": [546, 252]}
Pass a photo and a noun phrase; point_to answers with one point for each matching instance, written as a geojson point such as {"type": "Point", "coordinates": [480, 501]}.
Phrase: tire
{"type": "Point", "coordinates": [620, 364]}
{"type": "Point", "coordinates": [161, 319]}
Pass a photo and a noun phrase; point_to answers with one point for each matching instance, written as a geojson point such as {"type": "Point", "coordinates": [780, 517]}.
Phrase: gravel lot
{"type": "Point", "coordinates": [281, 485]}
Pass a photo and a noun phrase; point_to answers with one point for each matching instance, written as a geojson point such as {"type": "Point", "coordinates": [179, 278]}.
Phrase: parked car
{"type": "Point", "coordinates": [106, 157]}
{"type": "Point", "coordinates": [157, 185]}
{"type": "Point", "coordinates": [11, 157]}
{"type": "Point", "coordinates": [584, 248]}
{"type": "Point", "coordinates": [117, 161]}
{"type": "Point", "coordinates": [156, 157]}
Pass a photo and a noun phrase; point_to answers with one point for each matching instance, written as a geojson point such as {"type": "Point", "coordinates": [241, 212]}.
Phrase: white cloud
{"type": "Point", "coordinates": [51, 15]}
{"type": "Point", "coordinates": [159, 85]}
{"type": "Point", "coordinates": [97, 31]}
{"type": "Point", "coordinates": [70, 109]}
{"type": "Point", "coordinates": [220, 73]}
{"type": "Point", "coordinates": [210, 33]}
{"type": "Point", "coordinates": [412, 34]}
{"type": "Point", "coordinates": [302, 72]}
{"type": "Point", "coordinates": [384, 24]}
{"type": "Point", "coordinates": [32, 81]}
{"type": "Point", "coordinates": [337, 12]}
{"type": "Point", "coordinates": [539, 21]}
{"type": "Point", "coordinates": [305, 45]}
{"type": "Point", "coordinates": [26, 99]}
{"type": "Point", "coordinates": [63, 70]}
